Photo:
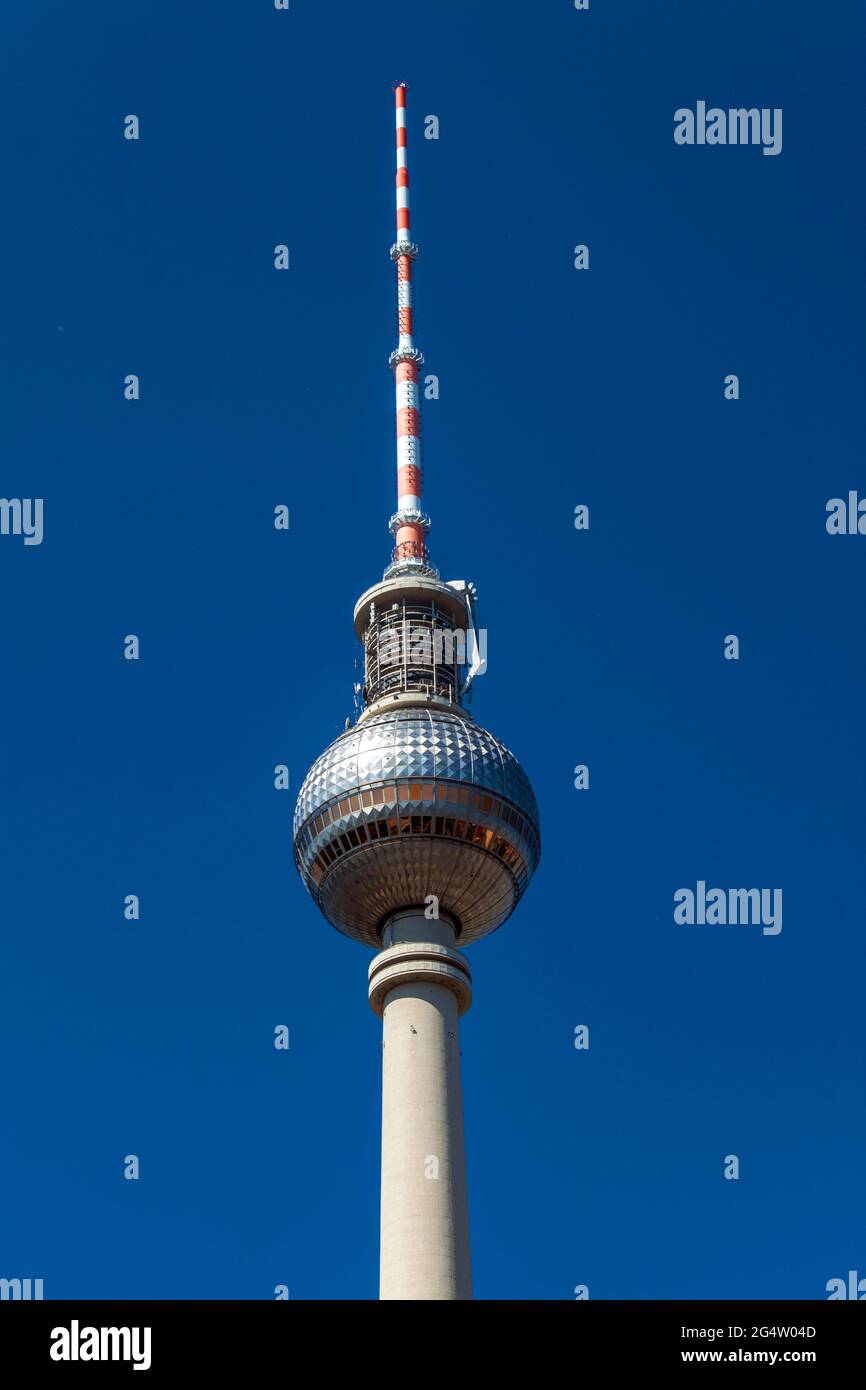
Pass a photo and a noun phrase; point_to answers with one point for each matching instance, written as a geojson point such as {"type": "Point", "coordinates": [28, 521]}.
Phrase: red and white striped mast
{"type": "Point", "coordinates": [409, 524]}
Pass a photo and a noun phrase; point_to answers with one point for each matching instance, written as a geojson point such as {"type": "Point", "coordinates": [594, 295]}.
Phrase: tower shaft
{"type": "Point", "coordinates": [420, 986]}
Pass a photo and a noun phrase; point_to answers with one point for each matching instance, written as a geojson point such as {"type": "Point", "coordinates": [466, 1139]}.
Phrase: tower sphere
{"type": "Point", "coordinates": [413, 803]}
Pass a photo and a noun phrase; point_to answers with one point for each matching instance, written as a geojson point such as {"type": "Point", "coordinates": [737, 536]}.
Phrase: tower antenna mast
{"type": "Point", "coordinates": [409, 524]}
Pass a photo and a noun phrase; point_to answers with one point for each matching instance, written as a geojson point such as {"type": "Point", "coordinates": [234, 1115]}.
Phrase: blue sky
{"type": "Point", "coordinates": [605, 388]}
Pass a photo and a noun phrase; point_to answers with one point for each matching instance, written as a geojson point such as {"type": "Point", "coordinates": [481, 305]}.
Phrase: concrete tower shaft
{"type": "Point", "coordinates": [419, 986]}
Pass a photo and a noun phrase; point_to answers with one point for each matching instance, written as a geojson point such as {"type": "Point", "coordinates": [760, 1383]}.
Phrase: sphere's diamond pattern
{"type": "Point", "coordinates": [415, 743]}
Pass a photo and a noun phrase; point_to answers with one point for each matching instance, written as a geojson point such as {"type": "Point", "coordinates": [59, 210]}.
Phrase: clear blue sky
{"type": "Point", "coordinates": [155, 1038]}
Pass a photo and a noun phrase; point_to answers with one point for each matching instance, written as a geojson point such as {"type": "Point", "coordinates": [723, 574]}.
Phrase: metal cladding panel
{"type": "Point", "coordinates": [363, 889]}
{"type": "Point", "coordinates": [413, 744]}
{"type": "Point", "coordinates": [479, 884]}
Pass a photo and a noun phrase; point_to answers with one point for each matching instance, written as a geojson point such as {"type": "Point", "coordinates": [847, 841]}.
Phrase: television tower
{"type": "Point", "coordinates": [416, 832]}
